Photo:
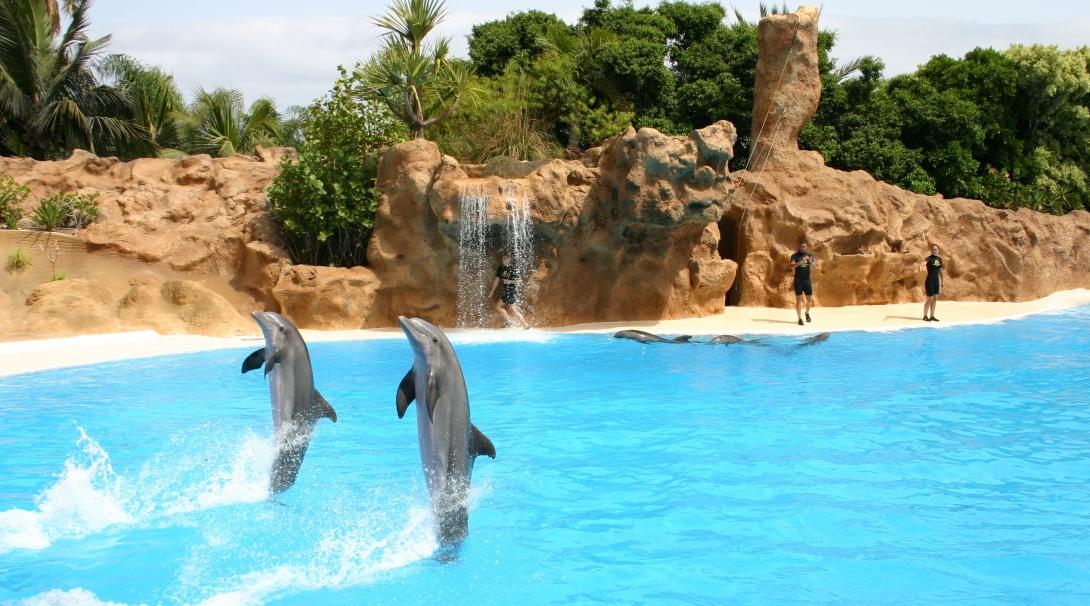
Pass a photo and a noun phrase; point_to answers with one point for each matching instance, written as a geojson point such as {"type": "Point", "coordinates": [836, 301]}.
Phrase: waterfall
{"type": "Point", "coordinates": [477, 256]}
{"type": "Point", "coordinates": [520, 241]}
{"type": "Point", "coordinates": [474, 258]}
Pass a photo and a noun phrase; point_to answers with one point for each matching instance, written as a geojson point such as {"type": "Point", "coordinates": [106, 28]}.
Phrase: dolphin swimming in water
{"type": "Point", "coordinates": [449, 442]}
{"type": "Point", "coordinates": [296, 405]}
{"type": "Point", "coordinates": [646, 337]}
{"type": "Point", "coordinates": [731, 340]}
{"type": "Point", "coordinates": [725, 340]}
{"type": "Point", "coordinates": [814, 340]}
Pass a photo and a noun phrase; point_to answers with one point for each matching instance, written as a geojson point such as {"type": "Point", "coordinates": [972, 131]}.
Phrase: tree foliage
{"type": "Point", "coordinates": [325, 203]}
{"type": "Point", "coordinates": [419, 83]}
{"type": "Point", "coordinates": [50, 99]}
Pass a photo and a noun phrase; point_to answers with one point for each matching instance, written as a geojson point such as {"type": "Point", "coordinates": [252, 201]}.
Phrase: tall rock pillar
{"type": "Point", "coordinates": [788, 84]}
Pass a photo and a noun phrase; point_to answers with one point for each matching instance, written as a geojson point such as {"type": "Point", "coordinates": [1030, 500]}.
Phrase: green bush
{"type": "Point", "coordinates": [12, 194]}
{"type": "Point", "coordinates": [18, 261]}
{"type": "Point", "coordinates": [324, 204]}
{"type": "Point", "coordinates": [51, 212]}
{"type": "Point", "coordinates": [66, 209]}
{"type": "Point", "coordinates": [82, 209]}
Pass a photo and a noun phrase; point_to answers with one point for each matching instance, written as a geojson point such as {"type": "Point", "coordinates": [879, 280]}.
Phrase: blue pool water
{"type": "Point", "coordinates": [946, 465]}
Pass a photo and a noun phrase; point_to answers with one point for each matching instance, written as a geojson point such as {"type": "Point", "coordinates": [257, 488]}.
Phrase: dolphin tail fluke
{"type": "Point", "coordinates": [406, 393]}
{"type": "Point", "coordinates": [253, 361]}
{"type": "Point", "coordinates": [481, 444]}
{"type": "Point", "coordinates": [324, 409]}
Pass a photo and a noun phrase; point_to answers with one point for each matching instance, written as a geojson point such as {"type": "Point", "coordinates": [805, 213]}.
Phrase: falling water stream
{"type": "Point", "coordinates": [477, 254]}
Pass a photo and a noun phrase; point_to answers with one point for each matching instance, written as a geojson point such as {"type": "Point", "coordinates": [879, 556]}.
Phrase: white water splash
{"type": "Point", "coordinates": [342, 558]}
{"type": "Point", "coordinates": [84, 500]}
{"type": "Point", "coordinates": [71, 597]}
{"type": "Point", "coordinates": [89, 497]}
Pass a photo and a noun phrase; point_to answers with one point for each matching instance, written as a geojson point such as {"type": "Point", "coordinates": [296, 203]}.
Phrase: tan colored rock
{"type": "Point", "coordinates": [788, 83]}
{"type": "Point", "coordinates": [179, 306]}
{"type": "Point", "coordinates": [870, 240]}
{"type": "Point", "coordinates": [67, 307]}
{"type": "Point", "coordinates": [327, 297]}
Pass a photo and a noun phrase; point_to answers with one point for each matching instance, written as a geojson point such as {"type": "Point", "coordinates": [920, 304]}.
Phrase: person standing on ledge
{"type": "Point", "coordinates": [802, 261]}
{"type": "Point", "coordinates": [509, 296]}
{"type": "Point", "coordinates": [933, 283]}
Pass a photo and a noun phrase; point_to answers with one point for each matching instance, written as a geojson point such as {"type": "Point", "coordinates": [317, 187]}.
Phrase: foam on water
{"type": "Point", "coordinates": [89, 497]}
{"type": "Point", "coordinates": [71, 597]}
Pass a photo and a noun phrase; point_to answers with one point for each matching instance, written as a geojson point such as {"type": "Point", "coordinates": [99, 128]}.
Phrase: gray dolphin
{"type": "Point", "coordinates": [814, 340]}
{"type": "Point", "coordinates": [296, 405]}
{"type": "Point", "coordinates": [646, 337]}
{"type": "Point", "coordinates": [731, 340]}
{"type": "Point", "coordinates": [449, 443]}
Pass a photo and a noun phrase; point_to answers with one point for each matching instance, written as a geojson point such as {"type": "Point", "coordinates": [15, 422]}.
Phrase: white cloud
{"type": "Point", "coordinates": [906, 43]}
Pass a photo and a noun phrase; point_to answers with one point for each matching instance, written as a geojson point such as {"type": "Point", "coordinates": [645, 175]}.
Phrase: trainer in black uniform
{"type": "Point", "coordinates": [802, 261]}
{"type": "Point", "coordinates": [509, 295]}
{"type": "Point", "coordinates": [933, 283]}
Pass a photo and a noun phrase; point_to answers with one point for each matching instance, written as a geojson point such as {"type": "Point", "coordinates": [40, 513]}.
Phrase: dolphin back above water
{"type": "Point", "coordinates": [646, 337]}
{"type": "Point", "coordinates": [449, 442]}
{"type": "Point", "coordinates": [296, 405]}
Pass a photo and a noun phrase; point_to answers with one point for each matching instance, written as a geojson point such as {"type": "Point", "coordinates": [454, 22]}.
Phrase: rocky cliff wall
{"type": "Point", "coordinates": [647, 226]}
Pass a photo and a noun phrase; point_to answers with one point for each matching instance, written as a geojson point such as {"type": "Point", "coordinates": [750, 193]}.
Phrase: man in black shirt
{"type": "Point", "coordinates": [509, 296]}
{"type": "Point", "coordinates": [933, 283]}
{"type": "Point", "coordinates": [802, 261]}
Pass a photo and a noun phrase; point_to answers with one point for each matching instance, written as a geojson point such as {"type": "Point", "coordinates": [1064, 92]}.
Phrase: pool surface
{"type": "Point", "coordinates": [947, 465]}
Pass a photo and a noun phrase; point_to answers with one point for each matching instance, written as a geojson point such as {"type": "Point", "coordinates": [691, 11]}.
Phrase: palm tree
{"type": "Point", "coordinates": [217, 124]}
{"type": "Point", "coordinates": [419, 84]}
{"type": "Point", "coordinates": [53, 9]}
{"type": "Point", "coordinates": [50, 101]}
{"type": "Point", "coordinates": [153, 95]}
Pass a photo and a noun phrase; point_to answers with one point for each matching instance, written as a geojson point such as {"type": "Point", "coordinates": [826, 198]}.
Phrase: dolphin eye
{"type": "Point", "coordinates": [435, 339]}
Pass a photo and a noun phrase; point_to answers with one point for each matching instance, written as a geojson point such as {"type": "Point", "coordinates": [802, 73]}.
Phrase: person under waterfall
{"type": "Point", "coordinates": [507, 305]}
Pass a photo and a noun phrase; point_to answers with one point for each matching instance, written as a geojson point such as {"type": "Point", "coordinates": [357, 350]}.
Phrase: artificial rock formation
{"type": "Point", "coordinates": [630, 232]}
{"type": "Point", "coordinates": [647, 226]}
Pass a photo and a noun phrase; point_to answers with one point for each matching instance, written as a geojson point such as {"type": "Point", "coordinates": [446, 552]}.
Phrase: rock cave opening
{"type": "Point", "coordinates": [729, 249]}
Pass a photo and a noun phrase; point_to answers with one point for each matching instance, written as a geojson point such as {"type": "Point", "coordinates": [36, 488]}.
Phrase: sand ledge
{"type": "Point", "coordinates": [20, 357]}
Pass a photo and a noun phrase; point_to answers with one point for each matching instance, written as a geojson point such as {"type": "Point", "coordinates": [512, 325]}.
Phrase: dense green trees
{"type": "Point", "coordinates": [1010, 128]}
{"type": "Point", "coordinates": [420, 84]}
{"type": "Point", "coordinates": [50, 100]}
{"type": "Point", "coordinates": [325, 203]}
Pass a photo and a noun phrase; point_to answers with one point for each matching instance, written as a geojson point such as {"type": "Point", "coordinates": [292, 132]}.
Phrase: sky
{"type": "Point", "coordinates": [289, 50]}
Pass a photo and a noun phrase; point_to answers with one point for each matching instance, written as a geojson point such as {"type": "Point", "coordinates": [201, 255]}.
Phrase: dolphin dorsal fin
{"type": "Point", "coordinates": [480, 444]}
{"type": "Point", "coordinates": [406, 393]}
{"type": "Point", "coordinates": [253, 361]}
{"type": "Point", "coordinates": [682, 339]}
{"type": "Point", "coordinates": [324, 409]}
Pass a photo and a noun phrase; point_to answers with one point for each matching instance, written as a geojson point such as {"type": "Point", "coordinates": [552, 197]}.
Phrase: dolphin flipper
{"type": "Point", "coordinates": [406, 393]}
{"type": "Point", "coordinates": [324, 409]}
{"type": "Point", "coordinates": [433, 393]}
{"type": "Point", "coordinates": [253, 361]}
{"type": "Point", "coordinates": [480, 444]}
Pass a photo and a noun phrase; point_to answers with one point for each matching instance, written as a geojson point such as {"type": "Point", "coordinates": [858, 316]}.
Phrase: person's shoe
{"type": "Point", "coordinates": [801, 323]}
{"type": "Point", "coordinates": [926, 319]}
{"type": "Point", "coordinates": [807, 316]}
{"type": "Point", "coordinates": [934, 319]}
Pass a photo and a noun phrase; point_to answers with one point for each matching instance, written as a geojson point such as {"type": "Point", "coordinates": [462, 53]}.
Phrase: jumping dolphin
{"type": "Point", "coordinates": [449, 443]}
{"type": "Point", "coordinates": [296, 405]}
{"type": "Point", "coordinates": [646, 337]}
